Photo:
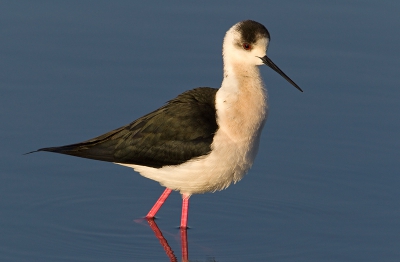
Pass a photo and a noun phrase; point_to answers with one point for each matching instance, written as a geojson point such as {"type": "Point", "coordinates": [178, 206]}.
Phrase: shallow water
{"type": "Point", "coordinates": [325, 183]}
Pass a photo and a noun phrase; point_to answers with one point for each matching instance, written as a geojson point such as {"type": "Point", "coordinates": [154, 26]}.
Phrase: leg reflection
{"type": "Point", "coordinates": [184, 244]}
{"type": "Point", "coordinates": [163, 241]}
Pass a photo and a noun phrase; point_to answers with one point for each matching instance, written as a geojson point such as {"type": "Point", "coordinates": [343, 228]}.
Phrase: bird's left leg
{"type": "Point", "coordinates": [185, 210]}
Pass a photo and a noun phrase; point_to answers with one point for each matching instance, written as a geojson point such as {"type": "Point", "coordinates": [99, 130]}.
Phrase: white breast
{"type": "Point", "coordinates": [241, 113]}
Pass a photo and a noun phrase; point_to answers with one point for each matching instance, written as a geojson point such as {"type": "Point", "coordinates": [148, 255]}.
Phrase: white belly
{"type": "Point", "coordinates": [241, 110]}
{"type": "Point", "coordinates": [228, 162]}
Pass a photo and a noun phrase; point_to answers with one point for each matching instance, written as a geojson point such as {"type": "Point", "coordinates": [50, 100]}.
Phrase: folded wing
{"type": "Point", "coordinates": [181, 130]}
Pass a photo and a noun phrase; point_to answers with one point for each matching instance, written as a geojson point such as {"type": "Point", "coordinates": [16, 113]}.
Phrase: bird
{"type": "Point", "coordinates": [206, 138]}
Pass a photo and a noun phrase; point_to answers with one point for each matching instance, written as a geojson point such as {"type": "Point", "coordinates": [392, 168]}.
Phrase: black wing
{"type": "Point", "coordinates": [179, 131]}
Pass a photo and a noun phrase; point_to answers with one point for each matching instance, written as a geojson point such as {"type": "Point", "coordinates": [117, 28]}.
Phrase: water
{"type": "Point", "coordinates": [325, 183]}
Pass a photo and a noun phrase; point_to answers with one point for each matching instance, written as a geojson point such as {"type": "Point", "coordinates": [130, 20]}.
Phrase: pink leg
{"type": "Point", "coordinates": [185, 209]}
{"type": "Point", "coordinates": [159, 203]}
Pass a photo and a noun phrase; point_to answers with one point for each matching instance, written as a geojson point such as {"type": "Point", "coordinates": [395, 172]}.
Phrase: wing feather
{"type": "Point", "coordinates": [182, 129]}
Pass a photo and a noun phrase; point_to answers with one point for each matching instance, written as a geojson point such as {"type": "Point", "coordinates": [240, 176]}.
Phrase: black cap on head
{"type": "Point", "coordinates": [251, 31]}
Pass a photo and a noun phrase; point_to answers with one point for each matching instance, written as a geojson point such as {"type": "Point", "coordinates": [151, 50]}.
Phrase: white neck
{"type": "Point", "coordinates": [241, 102]}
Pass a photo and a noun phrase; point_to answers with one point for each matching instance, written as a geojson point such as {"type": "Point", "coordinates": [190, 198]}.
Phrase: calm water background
{"type": "Point", "coordinates": [324, 187]}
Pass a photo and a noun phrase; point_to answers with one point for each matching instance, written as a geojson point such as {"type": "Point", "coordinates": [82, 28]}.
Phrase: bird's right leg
{"type": "Point", "coordinates": [159, 203]}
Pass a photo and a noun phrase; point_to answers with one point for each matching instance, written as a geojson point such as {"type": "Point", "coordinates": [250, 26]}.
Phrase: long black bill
{"type": "Point", "coordinates": [271, 64]}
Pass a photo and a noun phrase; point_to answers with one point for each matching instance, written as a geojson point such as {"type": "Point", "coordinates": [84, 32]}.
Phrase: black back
{"type": "Point", "coordinates": [181, 130]}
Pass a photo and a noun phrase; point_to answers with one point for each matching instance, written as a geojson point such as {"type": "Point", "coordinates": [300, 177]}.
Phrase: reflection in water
{"type": "Point", "coordinates": [165, 245]}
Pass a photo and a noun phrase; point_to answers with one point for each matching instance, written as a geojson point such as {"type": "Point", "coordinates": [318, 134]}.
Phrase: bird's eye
{"type": "Point", "coordinates": [246, 46]}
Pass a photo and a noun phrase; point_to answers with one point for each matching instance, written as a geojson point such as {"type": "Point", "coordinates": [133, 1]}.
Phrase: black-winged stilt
{"type": "Point", "coordinates": [205, 138]}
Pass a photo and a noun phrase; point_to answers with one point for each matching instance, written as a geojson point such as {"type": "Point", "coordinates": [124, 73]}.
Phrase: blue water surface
{"type": "Point", "coordinates": [325, 184]}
